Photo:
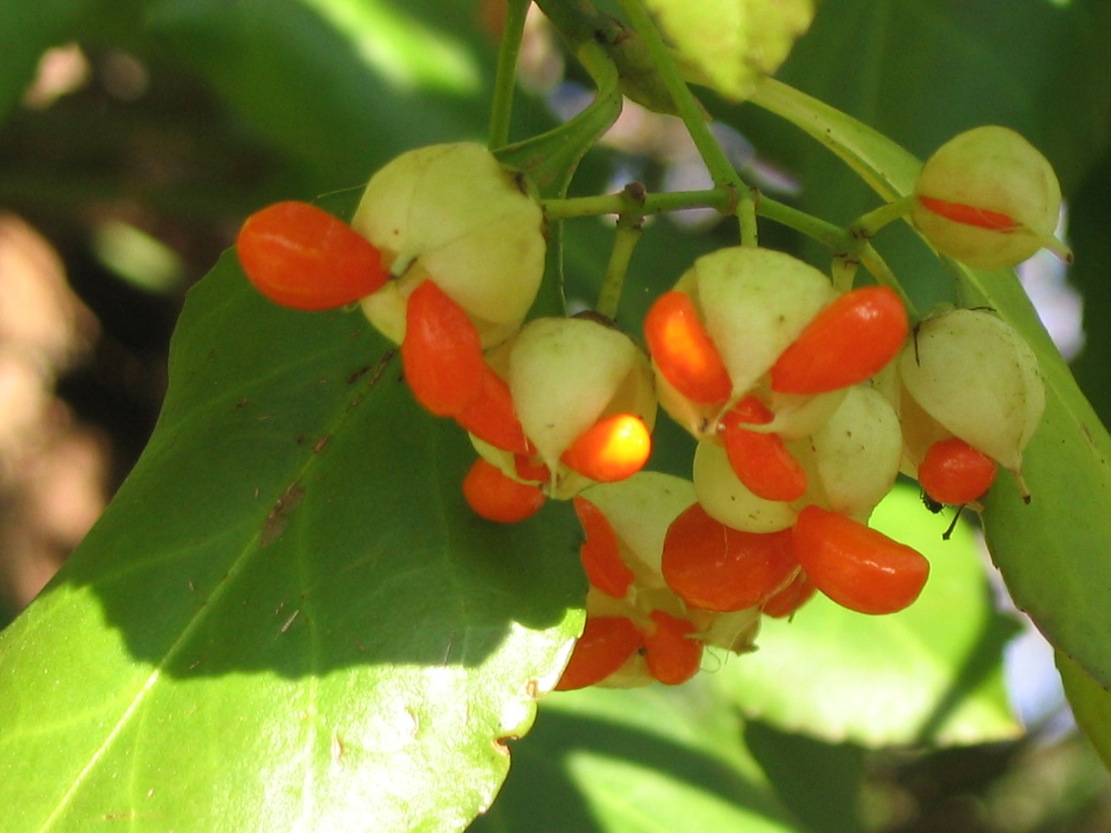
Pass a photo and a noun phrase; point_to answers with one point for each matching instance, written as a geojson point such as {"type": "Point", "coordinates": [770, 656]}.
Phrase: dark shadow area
{"type": "Point", "coordinates": [307, 528]}
{"type": "Point", "coordinates": [820, 782]}
{"type": "Point", "coordinates": [542, 796]}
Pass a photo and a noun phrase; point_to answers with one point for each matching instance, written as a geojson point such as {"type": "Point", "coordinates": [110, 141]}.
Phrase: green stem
{"type": "Point", "coordinates": [844, 272]}
{"type": "Point", "coordinates": [850, 247]}
{"type": "Point", "coordinates": [721, 199]}
{"type": "Point", "coordinates": [625, 238]}
{"type": "Point", "coordinates": [694, 117]}
{"type": "Point", "coordinates": [868, 225]}
{"type": "Point", "coordinates": [505, 80]}
{"type": "Point", "coordinates": [829, 235]}
{"type": "Point", "coordinates": [586, 31]}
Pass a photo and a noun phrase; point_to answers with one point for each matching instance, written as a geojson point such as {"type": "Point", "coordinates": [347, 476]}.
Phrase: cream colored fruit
{"type": "Point", "coordinates": [640, 509]}
{"type": "Point", "coordinates": [975, 375]}
{"type": "Point", "coordinates": [754, 303]}
{"type": "Point", "coordinates": [728, 500]}
{"type": "Point", "coordinates": [699, 419]}
{"type": "Point", "coordinates": [566, 373]}
{"type": "Point", "coordinates": [857, 452]}
{"type": "Point", "coordinates": [453, 214]}
{"type": "Point", "coordinates": [990, 169]}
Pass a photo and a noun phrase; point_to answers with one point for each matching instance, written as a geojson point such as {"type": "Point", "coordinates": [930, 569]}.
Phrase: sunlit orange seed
{"type": "Point", "coordinates": [492, 418]}
{"type": "Point", "coordinates": [954, 472]}
{"type": "Point", "coordinates": [847, 342]}
{"type": "Point", "coordinates": [786, 601]}
{"type": "Point", "coordinates": [760, 460]}
{"type": "Point", "coordinates": [713, 567]}
{"type": "Point", "coordinates": [496, 497]}
{"type": "Point", "coordinates": [683, 350]}
{"type": "Point", "coordinates": [613, 449]}
{"type": "Point", "coordinates": [671, 653]}
{"type": "Point", "coordinates": [441, 352]}
{"type": "Point", "coordinates": [969, 215]}
{"type": "Point", "coordinates": [856, 566]}
{"type": "Point", "coordinates": [300, 256]}
{"type": "Point", "coordinates": [600, 552]}
{"type": "Point", "coordinates": [606, 644]}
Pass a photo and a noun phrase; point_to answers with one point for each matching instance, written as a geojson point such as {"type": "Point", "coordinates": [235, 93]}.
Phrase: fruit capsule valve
{"type": "Point", "coordinates": [989, 199]}
{"type": "Point", "coordinates": [715, 335]}
{"type": "Point", "coordinates": [971, 375]}
{"type": "Point", "coordinates": [453, 214]}
{"type": "Point", "coordinates": [586, 400]}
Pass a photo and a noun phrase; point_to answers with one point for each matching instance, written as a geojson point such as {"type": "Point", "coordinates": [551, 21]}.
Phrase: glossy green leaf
{"type": "Point", "coordinates": [1091, 705]}
{"type": "Point", "coordinates": [929, 674]}
{"type": "Point", "coordinates": [288, 619]}
{"type": "Point", "coordinates": [728, 45]}
{"type": "Point", "coordinates": [1052, 552]}
{"type": "Point", "coordinates": [636, 761]}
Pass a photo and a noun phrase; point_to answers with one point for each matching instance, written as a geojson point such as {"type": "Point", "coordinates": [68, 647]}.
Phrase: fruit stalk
{"type": "Point", "coordinates": [694, 118]}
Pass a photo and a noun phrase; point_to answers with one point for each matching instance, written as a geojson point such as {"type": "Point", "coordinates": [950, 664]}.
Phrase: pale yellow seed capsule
{"type": "Point", "coordinates": [856, 454]}
{"type": "Point", "coordinates": [988, 198]}
{"type": "Point", "coordinates": [727, 500]}
{"type": "Point", "coordinates": [567, 373]}
{"type": "Point", "coordinates": [451, 213]}
{"type": "Point", "coordinates": [975, 375]}
{"type": "Point", "coordinates": [755, 302]}
{"type": "Point", "coordinates": [640, 510]}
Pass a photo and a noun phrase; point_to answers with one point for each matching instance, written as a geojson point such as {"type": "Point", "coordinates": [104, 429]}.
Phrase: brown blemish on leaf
{"type": "Point", "coordinates": [274, 525]}
{"type": "Point", "coordinates": [383, 362]}
{"type": "Point", "coordinates": [318, 446]}
{"type": "Point", "coordinates": [375, 370]}
{"type": "Point", "coordinates": [356, 375]}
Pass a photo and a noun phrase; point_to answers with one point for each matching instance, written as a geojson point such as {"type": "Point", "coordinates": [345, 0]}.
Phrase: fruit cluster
{"type": "Point", "coordinates": [805, 402]}
{"type": "Point", "coordinates": [780, 511]}
{"type": "Point", "coordinates": [445, 254]}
